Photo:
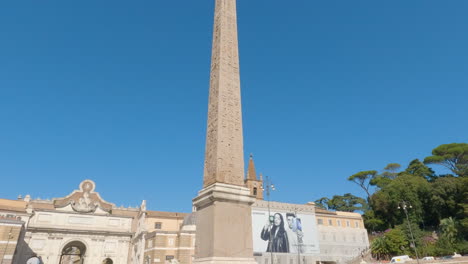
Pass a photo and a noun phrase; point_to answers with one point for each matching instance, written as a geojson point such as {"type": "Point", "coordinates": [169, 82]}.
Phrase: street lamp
{"type": "Point", "coordinates": [404, 205]}
{"type": "Point", "coordinates": [268, 187]}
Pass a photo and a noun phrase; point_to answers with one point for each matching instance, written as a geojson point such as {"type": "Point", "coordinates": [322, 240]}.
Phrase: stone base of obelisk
{"type": "Point", "coordinates": [224, 225]}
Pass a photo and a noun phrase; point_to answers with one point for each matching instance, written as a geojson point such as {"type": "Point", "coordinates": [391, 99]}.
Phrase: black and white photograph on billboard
{"type": "Point", "coordinates": [284, 232]}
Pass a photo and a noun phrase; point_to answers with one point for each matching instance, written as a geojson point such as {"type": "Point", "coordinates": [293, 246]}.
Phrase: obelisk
{"type": "Point", "coordinates": [224, 221]}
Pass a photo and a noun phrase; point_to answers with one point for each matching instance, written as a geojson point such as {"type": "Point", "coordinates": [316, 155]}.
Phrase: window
{"type": "Point", "coordinates": [320, 221]}
{"type": "Point", "coordinates": [330, 222]}
{"type": "Point", "coordinates": [150, 243]}
{"type": "Point", "coordinates": [338, 222]}
{"type": "Point", "coordinates": [169, 257]}
{"type": "Point", "coordinates": [255, 191]}
{"type": "Point", "coordinates": [170, 241]}
{"type": "Point", "coordinates": [356, 224]}
{"type": "Point", "coordinates": [347, 223]}
{"type": "Point", "coordinates": [158, 225]}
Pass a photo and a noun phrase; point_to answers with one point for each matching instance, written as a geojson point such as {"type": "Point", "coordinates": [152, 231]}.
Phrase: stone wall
{"type": "Point", "coordinates": [10, 234]}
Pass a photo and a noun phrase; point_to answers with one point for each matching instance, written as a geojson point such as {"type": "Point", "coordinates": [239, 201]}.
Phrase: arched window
{"type": "Point", "coordinates": [107, 261]}
{"type": "Point", "coordinates": [73, 252]}
{"type": "Point", "coordinates": [255, 191]}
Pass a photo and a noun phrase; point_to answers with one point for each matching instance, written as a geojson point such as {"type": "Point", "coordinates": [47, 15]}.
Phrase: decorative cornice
{"type": "Point", "coordinates": [262, 204]}
{"type": "Point", "coordinates": [220, 192]}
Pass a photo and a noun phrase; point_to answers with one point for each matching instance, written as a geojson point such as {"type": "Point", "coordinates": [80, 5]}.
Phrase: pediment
{"type": "Point", "coordinates": [84, 200]}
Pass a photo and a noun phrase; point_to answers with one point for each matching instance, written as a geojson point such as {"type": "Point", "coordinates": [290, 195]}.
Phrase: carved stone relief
{"type": "Point", "coordinates": [224, 160]}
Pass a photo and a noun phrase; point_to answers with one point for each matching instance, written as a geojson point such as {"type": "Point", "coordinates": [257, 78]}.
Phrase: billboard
{"type": "Point", "coordinates": [284, 232]}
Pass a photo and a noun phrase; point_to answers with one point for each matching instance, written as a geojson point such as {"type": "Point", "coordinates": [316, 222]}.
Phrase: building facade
{"type": "Point", "coordinates": [84, 228]}
{"type": "Point", "coordinates": [11, 232]}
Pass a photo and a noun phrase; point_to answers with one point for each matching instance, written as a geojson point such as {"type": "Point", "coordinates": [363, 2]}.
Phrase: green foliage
{"type": "Point", "coordinates": [393, 242]}
{"type": "Point", "coordinates": [391, 171]}
{"type": "Point", "coordinates": [443, 247]}
{"type": "Point", "coordinates": [417, 168]}
{"type": "Point", "coordinates": [453, 156]}
{"type": "Point", "coordinates": [464, 205]}
{"type": "Point", "coordinates": [406, 187]}
{"type": "Point", "coordinates": [379, 248]}
{"type": "Point", "coordinates": [347, 203]}
{"type": "Point", "coordinates": [322, 203]}
{"type": "Point", "coordinates": [448, 199]}
{"type": "Point", "coordinates": [363, 179]}
{"type": "Point", "coordinates": [417, 232]}
{"type": "Point", "coordinates": [380, 181]}
{"type": "Point", "coordinates": [372, 222]}
{"type": "Point", "coordinates": [449, 232]}
{"type": "Point", "coordinates": [462, 247]}
{"type": "Point", "coordinates": [439, 205]}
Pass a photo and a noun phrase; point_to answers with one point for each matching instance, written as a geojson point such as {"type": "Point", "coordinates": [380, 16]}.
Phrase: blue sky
{"type": "Point", "coordinates": [116, 92]}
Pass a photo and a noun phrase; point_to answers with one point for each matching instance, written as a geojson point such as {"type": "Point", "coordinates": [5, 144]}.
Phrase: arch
{"type": "Point", "coordinates": [73, 252]}
{"type": "Point", "coordinates": [255, 191]}
{"type": "Point", "coordinates": [108, 261]}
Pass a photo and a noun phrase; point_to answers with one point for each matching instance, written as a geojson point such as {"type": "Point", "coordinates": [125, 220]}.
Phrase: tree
{"type": "Point", "coordinates": [391, 170]}
{"type": "Point", "coordinates": [347, 203]}
{"type": "Point", "coordinates": [453, 156]}
{"type": "Point", "coordinates": [372, 222]}
{"type": "Point", "coordinates": [363, 179]}
{"type": "Point", "coordinates": [390, 173]}
{"type": "Point", "coordinates": [449, 231]}
{"type": "Point", "coordinates": [447, 199]}
{"type": "Point", "coordinates": [406, 187]}
{"type": "Point", "coordinates": [417, 168]}
{"type": "Point", "coordinates": [322, 203]}
{"type": "Point", "coordinates": [464, 204]}
{"type": "Point", "coordinates": [391, 243]}
{"type": "Point", "coordinates": [379, 248]}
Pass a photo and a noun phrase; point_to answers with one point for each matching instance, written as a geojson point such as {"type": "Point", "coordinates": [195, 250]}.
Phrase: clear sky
{"type": "Point", "coordinates": [117, 91]}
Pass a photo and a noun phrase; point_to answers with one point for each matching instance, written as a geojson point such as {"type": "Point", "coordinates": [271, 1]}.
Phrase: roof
{"type": "Point", "coordinates": [319, 210]}
{"type": "Point", "coordinates": [13, 205]}
{"type": "Point", "coordinates": [251, 173]}
{"type": "Point", "coordinates": [166, 214]}
{"type": "Point", "coordinates": [190, 219]}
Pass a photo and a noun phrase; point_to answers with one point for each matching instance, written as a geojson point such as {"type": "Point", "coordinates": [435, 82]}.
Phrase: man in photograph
{"type": "Point", "coordinates": [295, 233]}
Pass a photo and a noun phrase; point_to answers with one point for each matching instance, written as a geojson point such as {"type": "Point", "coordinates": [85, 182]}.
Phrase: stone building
{"type": "Point", "coordinates": [84, 228]}
{"type": "Point", "coordinates": [170, 237]}
{"type": "Point", "coordinates": [324, 236]}
{"type": "Point", "coordinates": [11, 230]}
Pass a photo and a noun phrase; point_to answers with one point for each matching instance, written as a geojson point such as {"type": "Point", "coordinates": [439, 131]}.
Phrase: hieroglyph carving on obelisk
{"type": "Point", "coordinates": [224, 160]}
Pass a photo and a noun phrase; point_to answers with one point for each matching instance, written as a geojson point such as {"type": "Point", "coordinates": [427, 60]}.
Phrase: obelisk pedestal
{"type": "Point", "coordinates": [224, 225]}
{"type": "Point", "coordinates": [224, 221]}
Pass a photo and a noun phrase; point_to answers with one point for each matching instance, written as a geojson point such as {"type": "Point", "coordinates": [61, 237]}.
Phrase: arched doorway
{"type": "Point", "coordinates": [107, 261]}
{"type": "Point", "coordinates": [73, 253]}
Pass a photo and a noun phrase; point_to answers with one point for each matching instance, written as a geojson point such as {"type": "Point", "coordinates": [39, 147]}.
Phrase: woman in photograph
{"type": "Point", "coordinates": [276, 235]}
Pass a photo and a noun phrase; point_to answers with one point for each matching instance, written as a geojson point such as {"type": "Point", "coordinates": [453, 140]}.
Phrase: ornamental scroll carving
{"type": "Point", "coordinates": [85, 204]}
{"type": "Point", "coordinates": [84, 200]}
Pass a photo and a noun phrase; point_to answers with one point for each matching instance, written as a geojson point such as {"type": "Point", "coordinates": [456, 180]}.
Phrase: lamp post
{"type": "Point", "coordinates": [8, 242]}
{"type": "Point", "coordinates": [268, 187]}
{"type": "Point", "coordinates": [404, 205]}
